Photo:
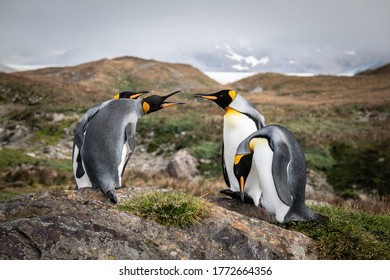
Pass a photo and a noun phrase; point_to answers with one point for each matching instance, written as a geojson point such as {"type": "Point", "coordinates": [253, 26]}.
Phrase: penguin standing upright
{"type": "Point", "coordinates": [78, 169]}
{"type": "Point", "coordinates": [240, 120]}
{"type": "Point", "coordinates": [110, 139]}
{"type": "Point", "coordinates": [281, 170]}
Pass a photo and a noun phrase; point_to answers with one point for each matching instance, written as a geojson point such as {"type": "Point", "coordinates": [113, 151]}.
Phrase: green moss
{"type": "Point", "coordinates": [365, 167]}
{"type": "Point", "coordinates": [205, 150]}
{"type": "Point", "coordinates": [209, 158]}
{"type": "Point", "coordinates": [319, 159]}
{"type": "Point", "coordinates": [11, 157]}
{"type": "Point", "coordinates": [168, 208]}
{"type": "Point", "coordinates": [52, 133]}
{"type": "Point", "coordinates": [349, 235]}
{"type": "Point", "coordinates": [8, 193]}
{"type": "Point", "coordinates": [63, 165]}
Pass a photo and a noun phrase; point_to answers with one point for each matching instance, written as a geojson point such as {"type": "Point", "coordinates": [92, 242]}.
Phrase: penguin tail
{"type": "Point", "coordinates": [112, 196]}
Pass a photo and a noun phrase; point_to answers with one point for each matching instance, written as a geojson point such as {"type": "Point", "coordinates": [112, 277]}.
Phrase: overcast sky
{"type": "Point", "coordinates": [69, 32]}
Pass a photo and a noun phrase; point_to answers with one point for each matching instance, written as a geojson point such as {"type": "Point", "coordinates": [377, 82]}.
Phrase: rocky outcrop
{"type": "Point", "coordinates": [83, 225]}
{"type": "Point", "coordinates": [182, 165]}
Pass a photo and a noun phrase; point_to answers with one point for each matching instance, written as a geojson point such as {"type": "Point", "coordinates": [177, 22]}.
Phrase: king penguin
{"type": "Point", "coordinates": [281, 170]}
{"type": "Point", "coordinates": [240, 120]}
{"type": "Point", "coordinates": [78, 169]}
{"type": "Point", "coordinates": [110, 139]}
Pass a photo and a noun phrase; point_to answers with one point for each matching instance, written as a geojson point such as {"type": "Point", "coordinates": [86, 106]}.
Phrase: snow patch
{"type": "Point", "coordinates": [228, 77]}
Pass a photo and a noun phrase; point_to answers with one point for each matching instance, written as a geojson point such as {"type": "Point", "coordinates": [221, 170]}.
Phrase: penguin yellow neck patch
{"type": "Point", "coordinates": [237, 159]}
{"type": "Point", "coordinates": [230, 111]}
{"type": "Point", "coordinates": [145, 107]}
{"type": "Point", "coordinates": [116, 96]}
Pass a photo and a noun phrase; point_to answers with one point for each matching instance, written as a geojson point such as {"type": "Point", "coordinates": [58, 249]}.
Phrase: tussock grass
{"type": "Point", "coordinates": [200, 187]}
{"type": "Point", "coordinates": [349, 235]}
{"type": "Point", "coordinates": [373, 204]}
{"type": "Point", "coordinates": [168, 208]}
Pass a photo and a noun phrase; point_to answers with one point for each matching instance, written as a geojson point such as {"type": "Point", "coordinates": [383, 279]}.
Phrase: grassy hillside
{"type": "Point", "coordinates": [341, 122]}
{"type": "Point", "coordinates": [126, 73]}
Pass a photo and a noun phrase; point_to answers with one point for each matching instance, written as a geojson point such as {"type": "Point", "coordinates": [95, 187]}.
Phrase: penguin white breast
{"type": "Point", "coordinates": [84, 181]}
{"type": "Point", "coordinates": [236, 128]}
{"type": "Point", "coordinates": [263, 157]}
{"type": "Point", "coordinates": [125, 152]}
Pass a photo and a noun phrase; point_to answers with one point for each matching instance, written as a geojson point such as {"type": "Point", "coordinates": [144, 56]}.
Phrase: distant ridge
{"type": "Point", "coordinates": [385, 69]}
{"type": "Point", "coordinates": [6, 69]}
{"type": "Point", "coordinates": [130, 73]}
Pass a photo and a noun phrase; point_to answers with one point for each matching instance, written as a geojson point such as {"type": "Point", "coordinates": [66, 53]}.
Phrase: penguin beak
{"type": "Point", "coordinates": [168, 95]}
{"type": "Point", "coordinates": [167, 104]}
{"type": "Point", "coordinates": [242, 167]}
{"type": "Point", "coordinates": [135, 96]}
{"type": "Point", "coordinates": [242, 184]}
{"type": "Point", "coordinates": [206, 96]}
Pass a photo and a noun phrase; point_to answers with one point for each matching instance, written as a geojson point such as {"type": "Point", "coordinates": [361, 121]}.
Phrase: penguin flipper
{"type": "Point", "coordinates": [90, 114]}
{"type": "Point", "coordinates": [82, 127]}
{"type": "Point", "coordinates": [130, 137]}
{"type": "Point", "coordinates": [224, 170]}
{"type": "Point", "coordinates": [80, 170]}
{"type": "Point", "coordinates": [280, 161]}
{"type": "Point", "coordinates": [130, 134]}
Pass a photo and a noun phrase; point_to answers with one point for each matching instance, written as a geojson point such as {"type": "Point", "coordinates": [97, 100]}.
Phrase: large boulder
{"type": "Point", "coordinates": [182, 165]}
{"type": "Point", "coordinates": [84, 225]}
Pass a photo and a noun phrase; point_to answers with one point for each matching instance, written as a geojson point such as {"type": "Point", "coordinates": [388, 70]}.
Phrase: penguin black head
{"type": "Point", "coordinates": [223, 98]}
{"type": "Point", "coordinates": [154, 103]}
{"type": "Point", "coordinates": [130, 94]}
{"type": "Point", "coordinates": [242, 168]}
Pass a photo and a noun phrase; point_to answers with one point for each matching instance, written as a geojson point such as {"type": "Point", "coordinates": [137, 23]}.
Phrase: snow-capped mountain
{"type": "Point", "coordinates": [317, 61]}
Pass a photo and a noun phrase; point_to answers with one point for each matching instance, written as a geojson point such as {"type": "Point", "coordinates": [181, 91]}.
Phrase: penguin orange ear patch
{"type": "Point", "coordinates": [145, 107]}
{"type": "Point", "coordinates": [232, 94]}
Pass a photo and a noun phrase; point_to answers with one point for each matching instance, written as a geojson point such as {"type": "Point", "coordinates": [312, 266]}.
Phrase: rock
{"type": "Point", "coordinates": [318, 188]}
{"type": "Point", "coordinates": [61, 150]}
{"type": "Point", "coordinates": [182, 165]}
{"type": "Point", "coordinates": [30, 174]}
{"type": "Point", "coordinates": [14, 136]}
{"type": "Point", "coordinates": [257, 89]}
{"type": "Point", "coordinates": [83, 225]}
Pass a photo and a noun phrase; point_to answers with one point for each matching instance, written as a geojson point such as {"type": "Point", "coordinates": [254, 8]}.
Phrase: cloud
{"type": "Point", "coordinates": [71, 32]}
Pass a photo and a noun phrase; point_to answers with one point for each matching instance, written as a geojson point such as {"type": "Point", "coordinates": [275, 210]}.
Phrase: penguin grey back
{"type": "Point", "coordinates": [105, 137]}
{"type": "Point", "coordinates": [289, 153]}
{"type": "Point", "coordinates": [279, 137]}
{"type": "Point", "coordinates": [243, 106]}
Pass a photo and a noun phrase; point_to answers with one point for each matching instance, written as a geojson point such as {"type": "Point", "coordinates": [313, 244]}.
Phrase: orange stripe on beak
{"type": "Point", "coordinates": [210, 97]}
{"type": "Point", "coordinates": [242, 183]}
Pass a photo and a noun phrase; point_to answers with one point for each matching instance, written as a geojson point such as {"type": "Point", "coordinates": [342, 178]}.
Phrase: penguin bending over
{"type": "Point", "coordinates": [281, 170]}
{"type": "Point", "coordinates": [240, 120]}
{"type": "Point", "coordinates": [110, 139]}
{"type": "Point", "coordinates": [78, 169]}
